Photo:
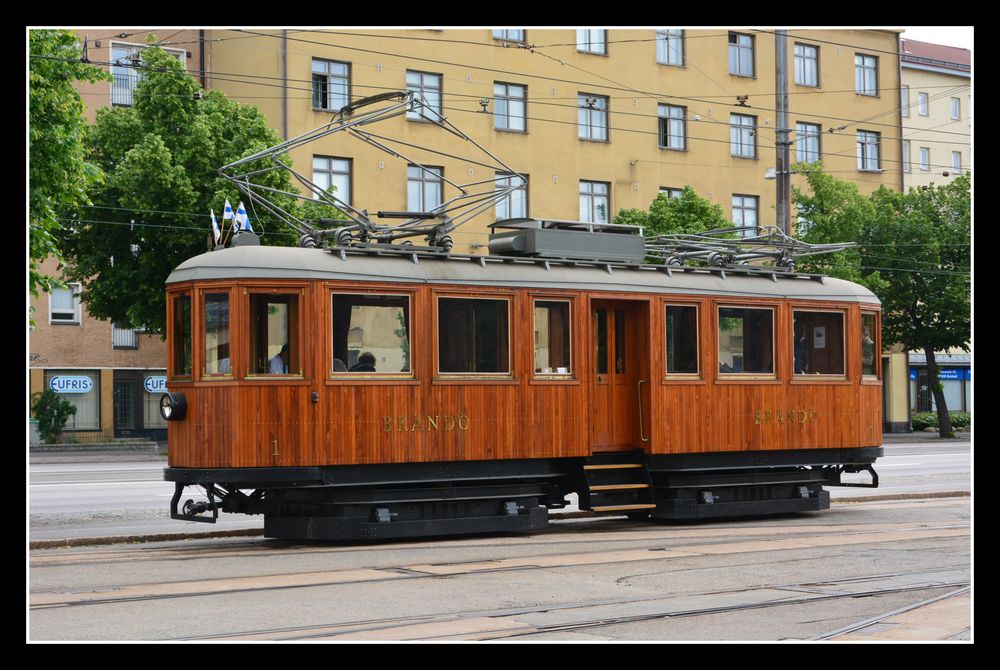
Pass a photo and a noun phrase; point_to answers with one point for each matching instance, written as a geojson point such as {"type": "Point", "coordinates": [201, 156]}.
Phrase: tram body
{"type": "Point", "coordinates": [501, 385]}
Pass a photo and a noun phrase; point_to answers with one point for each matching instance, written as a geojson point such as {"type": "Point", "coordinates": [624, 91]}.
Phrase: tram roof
{"type": "Point", "coordinates": [267, 263]}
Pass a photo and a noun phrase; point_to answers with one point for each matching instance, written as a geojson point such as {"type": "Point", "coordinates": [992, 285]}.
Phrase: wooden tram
{"type": "Point", "coordinates": [493, 386]}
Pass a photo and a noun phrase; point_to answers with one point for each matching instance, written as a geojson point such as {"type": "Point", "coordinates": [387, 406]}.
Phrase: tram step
{"type": "Point", "coordinates": [614, 466]}
{"type": "Point", "coordinates": [621, 508]}
{"type": "Point", "coordinates": [619, 487]}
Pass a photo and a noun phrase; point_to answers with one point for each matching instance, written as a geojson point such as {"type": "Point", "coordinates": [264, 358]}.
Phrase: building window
{"type": "Point", "coordinates": [741, 55]}
{"type": "Point", "coordinates": [182, 362]}
{"type": "Point", "coordinates": [216, 317]}
{"type": "Point", "coordinates": [274, 334]}
{"type": "Point", "coordinates": [743, 135]}
{"type": "Point", "coordinates": [124, 338]}
{"type": "Point", "coordinates": [126, 71]}
{"type": "Point", "coordinates": [151, 417]}
{"type": "Point", "coordinates": [672, 192]}
{"type": "Point", "coordinates": [552, 337]}
{"type": "Point", "coordinates": [746, 340]}
{"type": "Point", "coordinates": [956, 162]}
{"type": "Point", "coordinates": [906, 156]}
{"type": "Point", "coordinates": [509, 35]}
{"type": "Point", "coordinates": [424, 188]}
{"type": "Point", "coordinates": [868, 151]}
{"type": "Point", "coordinates": [509, 107]}
{"type": "Point", "coordinates": [515, 204]}
{"type": "Point", "coordinates": [807, 137]}
{"type": "Point", "coordinates": [682, 339]}
{"type": "Point", "coordinates": [818, 343]}
{"type": "Point", "coordinates": [673, 131]}
{"type": "Point", "coordinates": [336, 172]}
{"type": "Point", "coordinates": [64, 305]}
{"type": "Point", "coordinates": [592, 117]}
{"type": "Point", "coordinates": [427, 106]}
{"type": "Point", "coordinates": [904, 94]}
{"type": "Point", "coordinates": [592, 41]}
{"type": "Point", "coordinates": [82, 389]}
{"type": "Point", "coordinates": [865, 74]}
{"type": "Point", "coordinates": [331, 84]}
{"type": "Point", "coordinates": [806, 65]}
{"type": "Point", "coordinates": [925, 158]}
{"type": "Point", "coordinates": [869, 345]}
{"type": "Point", "coordinates": [594, 201]}
{"type": "Point", "coordinates": [923, 104]}
{"type": "Point", "coordinates": [745, 213]}
{"type": "Point", "coordinates": [473, 336]}
{"type": "Point", "coordinates": [956, 109]}
{"type": "Point", "coordinates": [670, 47]}
{"type": "Point", "coordinates": [371, 334]}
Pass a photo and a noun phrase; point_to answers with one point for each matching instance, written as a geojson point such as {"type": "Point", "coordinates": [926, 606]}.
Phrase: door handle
{"type": "Point", "coordinates": [638, 389]}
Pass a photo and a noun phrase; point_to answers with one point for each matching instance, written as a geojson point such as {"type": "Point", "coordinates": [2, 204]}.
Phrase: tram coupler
{"type": "Point", "coordinates": [191, 510]}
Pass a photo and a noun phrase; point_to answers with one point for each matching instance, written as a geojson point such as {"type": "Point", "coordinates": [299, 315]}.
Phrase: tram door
{"type": "Point", "coordinates": [615, 375]}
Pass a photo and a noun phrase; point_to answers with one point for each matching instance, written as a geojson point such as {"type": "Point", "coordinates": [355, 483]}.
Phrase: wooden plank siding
{"type": "Point", "coordinates": [419, 418]}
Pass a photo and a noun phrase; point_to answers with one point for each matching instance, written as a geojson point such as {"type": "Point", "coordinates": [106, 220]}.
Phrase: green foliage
{"type": "Point", "coordinates": [52, 412]}
{"type": "Point", "coordinates": [688, 214]}
{"type": "Point", "coordinates": [58, 173]}
{"type": "Point", "coordinates": [161, 157]}
{"type": "Point", "coordinates": [924, 420]}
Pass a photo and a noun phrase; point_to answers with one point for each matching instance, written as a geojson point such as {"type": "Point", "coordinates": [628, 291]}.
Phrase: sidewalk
{"type": "Point", "coordinates": [921, 436]}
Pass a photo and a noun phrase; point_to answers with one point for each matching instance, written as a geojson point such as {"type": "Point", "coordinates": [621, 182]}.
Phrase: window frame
{"type": "Point", "coordinates": [350, 176]}
{"type": "Point", "coordinates": [504, 37]}
{"type": "Point", "coordinates": [742, 209]}
{"type": "Point", "coordinates": [740, 49]}
{"type": "Point", "coordinates": [172, 351]}
{"type": "Point", "coordinates": [668, 120]}
{"type": "Point", "coordinates": [804, 137]}
{"type": "Point", "coordinates": [346, 377]}
{"type": "Point", "coordinates": [200, 358]}
{"type": "Point", "coordinates": [95, 375]}
{"type": "Point", "coordinates": [697, 376]}
{"type": "Point", "coordinates": [905, 150]}
{"type": "Point", "coordinates": [824, 378]}
{"type": "Point", "coordinates": [806, 59]}
{"type": "Point", "coordinates": [591, 195]}
{"type": "Point", "coordinates": [301, 293]}
{"type": "Point", "coordinates": [583, 109]}
{"type": "Point", "coordinates": [424, 169]}
{"type": "Point", "coordinates": [956, 167]}
{"type": "Point", "coordinates": [312, 83]}
{"type": "Point", "coordinates": [861, 72]}
{"type": "Point", "coordinates": [736, 138]}
{"type": "Point", "coordinates": [863, 157]}
{"type": "Point", "coordinates": [549, 377]}
{"type": "Point", "coordinates": [668, 36]}
{"type": "Point", "coordinates": [753, 377]}
{"type": "Point", "coordinates": [509, 377]}
{"type": "Point", "coordinates": [877, 378]}
{"type": "Point", "coordinates": [499, 178]}
{"type": "Point", "coordinates": [923, 104]}
{"type": "Point", "coordinates": [179, 54]}
{"type": "Point", "coordinates": [924, 152]}
{"type": "Point", "coordinates": [584, 42]}
{"type": "Point", "coordinates": [420, 88]}
{"type": "Point", "coordinates": [671, 192]}
{"type": "Point", "coordinates": [956, 109]}
{"type": "Point", "coordinates": [507, 116]}
{"type": "Point", "coordinates": [75, 288]}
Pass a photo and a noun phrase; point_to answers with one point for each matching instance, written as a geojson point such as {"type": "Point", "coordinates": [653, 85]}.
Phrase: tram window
{"type": "Point", "coordinates": [217, 361]}
{"type": "Point", "coordinates": [601, 317]}
{"type": "Point", "coordinates": [552, 341]}
{"type": "Point", "coordinates": [819, 343]}
{"type": "Point", "coordinates": [274, 334]}
{"type": "Point", "coordinates": [371, 334]}
{"type": "Point", "coordinates": [868, 345]}
{"type": "Point", "coordinates": [473, 336]}
{"type": "Point", "coordinates": [682, 339]}
{"type": "Point", "coordinates": [182, 335]}
{"type": "Point", "coordinates": [746, 340]}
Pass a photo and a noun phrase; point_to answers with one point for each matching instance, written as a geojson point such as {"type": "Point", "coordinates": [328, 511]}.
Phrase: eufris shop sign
{"type": "Point", "coordinates": [71, 384]}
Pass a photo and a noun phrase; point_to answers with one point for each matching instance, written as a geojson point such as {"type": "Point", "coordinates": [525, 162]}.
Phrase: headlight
{"type": "Point", "coordinates": [173, 406]}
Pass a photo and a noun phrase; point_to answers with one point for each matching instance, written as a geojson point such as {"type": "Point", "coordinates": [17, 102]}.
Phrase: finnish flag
{"type": "Point", "coordinates": [215, 227]}
{"type": "Point", "coordinates": [242, 221]}
{"type": "Point", "coordinates": [227, 213]}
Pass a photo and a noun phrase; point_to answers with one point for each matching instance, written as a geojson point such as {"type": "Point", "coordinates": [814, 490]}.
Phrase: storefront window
{"type": "Point", "coordinates": [154, 383]}
{"type": "Point", "coordinates": [82, 389]}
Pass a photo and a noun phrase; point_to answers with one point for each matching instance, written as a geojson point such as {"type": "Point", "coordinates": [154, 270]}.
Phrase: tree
{"type": "Point", "coordinates": [687, 214]}
{"type": "Point", "coordinates": [161, 158]}
{"type": "Point", "coordinates": [52, 412]}
{"type": "Point", "coordinates": [58, 171]}
{"type": "Point", "coordinates": [914, 253]}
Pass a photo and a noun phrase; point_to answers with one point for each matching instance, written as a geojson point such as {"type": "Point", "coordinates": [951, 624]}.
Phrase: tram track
{"type": "Point", "coordinates": [720, 542]}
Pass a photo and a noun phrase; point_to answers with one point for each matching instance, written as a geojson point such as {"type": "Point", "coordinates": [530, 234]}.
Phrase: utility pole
{"type": "Point", "coordinates": [783, 178]}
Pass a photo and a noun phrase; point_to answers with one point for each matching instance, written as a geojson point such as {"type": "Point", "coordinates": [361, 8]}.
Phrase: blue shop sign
{"type": "Point", "coordinates": [155, 384]}
{"type": "Point", "coordinates": [71, 384]}
{"type": "Point", "coordinates": [947, 374]}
